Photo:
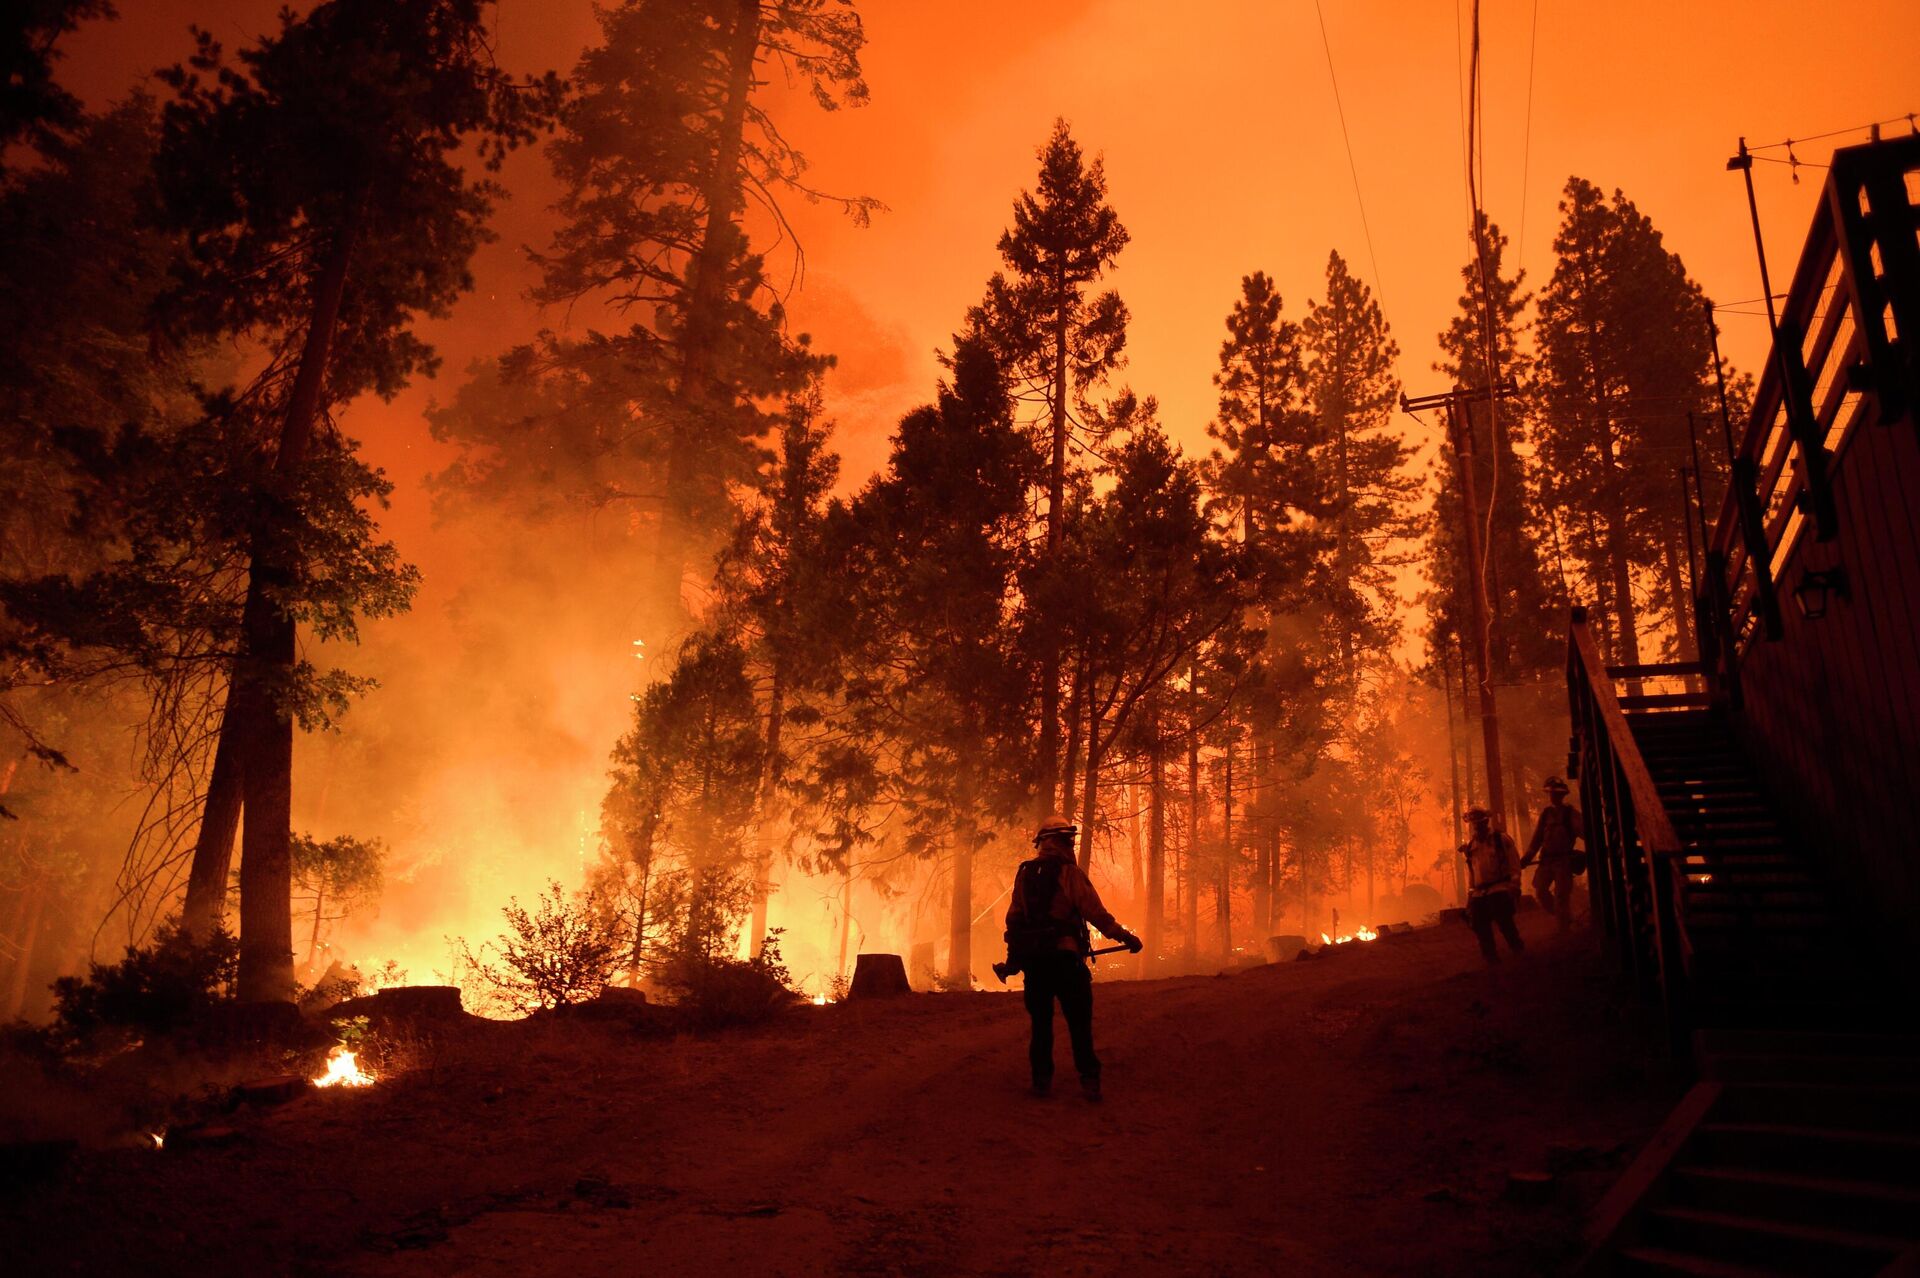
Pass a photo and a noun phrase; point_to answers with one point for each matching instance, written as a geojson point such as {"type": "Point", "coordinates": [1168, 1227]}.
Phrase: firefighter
{"type": "Point", "coordinates": [1052, 903]}
{"type": "Point", "coordinates": [1552, 845]}
{"type": "Point", "coordinates": [1493, 877]}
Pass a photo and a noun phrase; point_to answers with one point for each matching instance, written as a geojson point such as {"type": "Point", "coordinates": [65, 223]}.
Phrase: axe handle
{"type": "Point", "coordinates": [1111, 949]}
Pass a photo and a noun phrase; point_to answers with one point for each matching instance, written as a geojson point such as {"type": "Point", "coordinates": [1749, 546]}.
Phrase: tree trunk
{"type": "Point", "coordinates": [263, 725]}
{"type": "Point", "coordinates": [763, 835]}
{"type": "Point", "coordinates": [1192, 905]}
{"type": "Point", "coordinates": [1223, 886]}
{"type": "Point", "coordinates": [206, 905]}
{"type": "Point", "coordinates": [846, 915]}
{"type": "Point", "coordinates": [704, 321]}
{"type": "Point", "coordinates": [1056, 495]}
{"type": "Point", "coordinates": [960, 922]}
{"type": "Point", "coordinates": [1685, 642]}
{"type": "Point", "coordinates": [1131, 794]}
{"type": "Point", "coordinates": [313, 937]}
{"type": "Point", "coordinates": [31, 909]}
{"type": "Point", "coordinates": [1156, 835]}
{"type": "Point", "coordinates": [1069, 787]}
{"type": "Point", "coordinates": [1090, 789]}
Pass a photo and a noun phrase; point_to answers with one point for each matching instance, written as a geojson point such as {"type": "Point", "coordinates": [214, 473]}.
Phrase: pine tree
{"type": "Point", "coordinates": [936, 687]}
{"type": "Point", "coordinates": [1623, 357]}
{"type": "Point", "coordinates": [317, 187]}
{"type": "Point", "coordinates": [34, 108]}
{"type": "Point", "coordinates": [1523, 608]}
{"type": "Point", "coordinates": [1261, 381]}
{"type": "Point", "coordinates": [665, 145]}
{"type": "Point", "coordinates": [770, 590]}
{"type": "Point", "coordinates": [1360, 487]}
{"type": "Point", "coordinates": [1057, 343]}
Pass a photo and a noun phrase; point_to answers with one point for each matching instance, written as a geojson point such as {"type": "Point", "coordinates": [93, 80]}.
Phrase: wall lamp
{"type": "Point", "coordinates": [1817, 588]}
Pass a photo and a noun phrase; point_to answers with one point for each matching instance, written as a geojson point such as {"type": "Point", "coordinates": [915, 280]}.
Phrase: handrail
{"type": "Point", "coordinates": [1635, 857]}
{"type": "Point", "coordinates": [1650, 814]}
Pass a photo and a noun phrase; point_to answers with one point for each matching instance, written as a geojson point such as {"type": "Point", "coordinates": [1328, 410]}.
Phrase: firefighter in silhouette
{"type": "Point", "coordinates": [1552, 845]}
{"type": "Point", "coordinates": [1052, 903]}
{"type": "Point", "coordinates": [1493, 883]}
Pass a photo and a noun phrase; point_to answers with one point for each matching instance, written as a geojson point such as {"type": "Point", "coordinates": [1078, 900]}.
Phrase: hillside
{"type": "Point", "coordinates": [1358, 1114]}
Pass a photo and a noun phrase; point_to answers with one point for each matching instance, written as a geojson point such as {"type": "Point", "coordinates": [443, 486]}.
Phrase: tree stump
{"type": "Point", "coordinates": [403, 1003]}
{"type": "Point", "coordinates": [1281, 949]}
{"type": "Point", "coordinates": [879, 976]}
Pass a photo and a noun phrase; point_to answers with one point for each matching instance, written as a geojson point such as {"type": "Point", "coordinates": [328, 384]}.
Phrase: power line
{"type": "Point", "coordinates": [1908, 119]}
{"type": "Point", "coordinates": [1379, 280]}
{"type": "Point", "coordinates": [1526, 146]}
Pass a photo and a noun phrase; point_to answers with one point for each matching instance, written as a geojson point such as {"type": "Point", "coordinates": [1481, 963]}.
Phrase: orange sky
{"type": "Point", "coordinates": [1224, 154]}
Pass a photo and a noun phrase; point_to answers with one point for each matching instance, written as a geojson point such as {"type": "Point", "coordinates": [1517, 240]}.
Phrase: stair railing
{"type": "Point", "coordinates": [1636, 864]}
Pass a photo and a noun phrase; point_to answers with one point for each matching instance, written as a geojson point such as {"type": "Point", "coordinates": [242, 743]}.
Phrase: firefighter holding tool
{"type": "Point", "coordinates": [1047, 939]}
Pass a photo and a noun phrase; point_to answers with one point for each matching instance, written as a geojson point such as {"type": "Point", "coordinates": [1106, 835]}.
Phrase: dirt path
{"type": "Point", "coordinates": [1357, 1114]}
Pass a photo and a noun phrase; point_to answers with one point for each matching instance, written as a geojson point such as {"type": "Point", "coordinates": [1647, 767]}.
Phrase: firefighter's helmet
{"type": "Point", "coordinates": [1056, 826]}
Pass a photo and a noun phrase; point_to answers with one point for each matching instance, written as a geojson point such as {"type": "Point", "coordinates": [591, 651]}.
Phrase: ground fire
{"type": "Point", "coordinates": [853, 636]}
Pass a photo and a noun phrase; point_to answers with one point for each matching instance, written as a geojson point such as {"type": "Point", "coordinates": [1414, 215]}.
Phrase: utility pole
{"type": "Point", "coordinates": [1455, 403]}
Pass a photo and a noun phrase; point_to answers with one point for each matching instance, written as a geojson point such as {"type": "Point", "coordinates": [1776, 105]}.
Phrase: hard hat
{"type": "Point", "coordinates": [1055, 824]}
{"type": "Point", "coordinates": [1479, 814]}
{"type": "Point", "coordinates": [1555, 783]}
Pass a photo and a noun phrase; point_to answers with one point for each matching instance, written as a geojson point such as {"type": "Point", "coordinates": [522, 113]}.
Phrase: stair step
{"type": "Point", "coordinates": [1730, 891]}
{"type": "Point", "coordinates": [1720, 878]}
{"type": "Point", "coordinates": [1881, 1156]}
{"type": "Point", "coordinates": [1893, 1107]}
{"type": "Point", "coordinates": [1745, 1007]}
{"type": "Point", "coordinates": [1784, 1067]}
{"type": "Point", "coordinates": [1887, 1211]}
{"type": "Point", "coordinates": [1798, 1248]}
{"type": "Point", "coordinates": [1681, 1264]}
{"type": "Point", "coordinates": [1812, 1043]}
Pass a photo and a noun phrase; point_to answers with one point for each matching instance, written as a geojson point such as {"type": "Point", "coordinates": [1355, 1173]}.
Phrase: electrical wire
{"type": "Point", "coordinates": [1379, 281]}
{"type": "Point", "coordinates": [1908, 119]}
{"type": "Point", "coordinates": [1526, 146]}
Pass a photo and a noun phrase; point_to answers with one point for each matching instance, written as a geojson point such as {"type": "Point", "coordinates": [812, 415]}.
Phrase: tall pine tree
{"type": "Point", "coordinates": [1057, 340]}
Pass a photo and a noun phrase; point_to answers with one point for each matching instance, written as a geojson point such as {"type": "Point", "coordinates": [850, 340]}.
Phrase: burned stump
{"type": "Point", "coordinates": [1282, 949]}
{"type": "Point", "coordinates": [413, 1003]}
{"type": "Point", "coordinates": [879, 976]}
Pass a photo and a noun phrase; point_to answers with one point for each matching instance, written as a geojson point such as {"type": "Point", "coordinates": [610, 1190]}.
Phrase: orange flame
{"type": "Point", "coordinates": [343, 1071]}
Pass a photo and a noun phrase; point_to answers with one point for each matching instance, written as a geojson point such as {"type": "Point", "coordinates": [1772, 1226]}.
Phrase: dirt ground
{"type": "Point", "coordinates": [1357, 1114]}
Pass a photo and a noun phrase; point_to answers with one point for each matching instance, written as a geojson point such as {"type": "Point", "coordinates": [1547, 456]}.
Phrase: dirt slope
{"type": "Point", "coordinates": [1356, 1114]}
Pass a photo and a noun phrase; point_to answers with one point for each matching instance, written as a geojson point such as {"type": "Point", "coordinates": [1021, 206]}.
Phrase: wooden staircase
{"type": "Point", "coordinates": [1798, 1152]}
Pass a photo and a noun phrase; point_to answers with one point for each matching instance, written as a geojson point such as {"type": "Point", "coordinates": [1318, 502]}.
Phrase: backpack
{"type": "Point", "coordinates": [1036, 885]}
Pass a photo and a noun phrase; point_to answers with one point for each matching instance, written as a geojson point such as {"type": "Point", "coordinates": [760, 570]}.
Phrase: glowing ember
{"type": "Point", "coordinates": [343, 1071]}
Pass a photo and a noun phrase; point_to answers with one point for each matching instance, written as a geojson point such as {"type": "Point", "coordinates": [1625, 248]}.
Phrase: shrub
{"type": "Point", "coordinates": [713, 991]}
{"type": "Point", "coordinates": [153, 990]}
{"type": "Point", "coordinates": [562, 953]}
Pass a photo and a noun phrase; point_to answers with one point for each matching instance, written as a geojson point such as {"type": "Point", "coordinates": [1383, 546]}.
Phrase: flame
{"type": "Point", "coordinates": [819, 1000]}
{"type": "Point", "coordinates": [159, 1139]}
{"type": "Point", "coordinates": [1361, 934]}
{"type": "Point", "coordinates": [343, 1071]}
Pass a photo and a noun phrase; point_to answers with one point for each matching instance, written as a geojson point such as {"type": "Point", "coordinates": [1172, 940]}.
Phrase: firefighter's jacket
{"type": "Point", "coordinates": [1036, 922]}
{"type": "Point", "coordinates": [1493, 863]}
{"type": "Point", "coordinates": [1553, 834]}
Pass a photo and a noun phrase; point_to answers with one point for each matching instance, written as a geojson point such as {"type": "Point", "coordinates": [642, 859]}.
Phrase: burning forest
{"type": "Point", "coordinates": [587, 591]}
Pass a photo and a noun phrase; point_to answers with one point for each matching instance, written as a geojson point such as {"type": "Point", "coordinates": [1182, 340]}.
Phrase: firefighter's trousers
{"type": "Point", "coordinates": [1065, 977]}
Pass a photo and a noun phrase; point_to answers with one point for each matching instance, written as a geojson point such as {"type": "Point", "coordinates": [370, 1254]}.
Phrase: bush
{"type": "Point", "coordinates": [563, 953]}
{"type": "Point", "coordinates": [712, 991]}
{"type": "Point", "coordinates": [156, 990]}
